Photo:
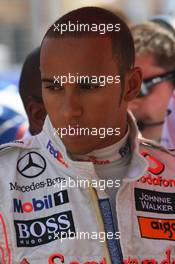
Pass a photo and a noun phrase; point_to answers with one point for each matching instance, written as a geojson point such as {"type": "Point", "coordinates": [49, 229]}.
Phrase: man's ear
{"type": "Point", "coordinates": [133, 80]}
{"type": "Point", "coordinates": [36, 115]}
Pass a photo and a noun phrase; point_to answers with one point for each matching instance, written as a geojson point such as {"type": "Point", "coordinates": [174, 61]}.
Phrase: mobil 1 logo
{"type": "Point", "coordinates": [35, 232]}
{"type": "Point", "coordinates": [43, 203]}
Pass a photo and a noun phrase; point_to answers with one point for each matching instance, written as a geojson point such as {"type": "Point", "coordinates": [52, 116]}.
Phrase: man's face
{"type": "Point", "coordinates": [152, 107]}
{"type": "Point", "coordinates": [91, 106]}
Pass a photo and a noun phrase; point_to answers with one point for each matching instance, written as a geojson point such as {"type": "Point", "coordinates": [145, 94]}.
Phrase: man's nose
{"type": "Point", "coordinates": [72, 107]}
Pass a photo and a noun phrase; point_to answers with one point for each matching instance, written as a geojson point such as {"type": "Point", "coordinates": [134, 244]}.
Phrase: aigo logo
{"type": "Point", "coordinates": [156, 228]}
{"type": "Point", "coordinates": [56, 154]}
{"type": "Point", "coordinates": [47, 202]}
{"type": "Point", "coordinates": [60, 257]}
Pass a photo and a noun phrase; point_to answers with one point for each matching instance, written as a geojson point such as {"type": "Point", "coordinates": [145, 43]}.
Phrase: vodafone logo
{"type": "Point", "coordinates": [157, 167]}
{"type": "Point", "coordinates": [46, 202]}
{"type": "Point", "coordinates": [157, 180]}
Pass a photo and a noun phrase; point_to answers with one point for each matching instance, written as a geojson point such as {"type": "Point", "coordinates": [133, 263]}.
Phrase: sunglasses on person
{"type": "Point", "coordinates": [148, 84]}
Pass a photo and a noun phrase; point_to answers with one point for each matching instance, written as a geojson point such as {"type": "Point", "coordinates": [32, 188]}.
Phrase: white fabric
{"type": "Point", "coordinates": [111, 163]}
{"type": "Point", "coordinates": [45, 153]}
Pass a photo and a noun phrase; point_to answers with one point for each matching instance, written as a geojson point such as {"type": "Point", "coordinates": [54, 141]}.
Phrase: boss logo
{"type": "Point", "coordinates": [42, 230]}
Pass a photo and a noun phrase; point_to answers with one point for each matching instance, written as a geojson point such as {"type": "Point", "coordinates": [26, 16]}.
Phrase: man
{"type": "Point", "coordinates": [168, 133]}
{"type": "Point", "coordinates": [30, 92]}
{"type": "Point", "coordinates": [88, 138]}
{"type": "Point", "coordinates": [155, 54]}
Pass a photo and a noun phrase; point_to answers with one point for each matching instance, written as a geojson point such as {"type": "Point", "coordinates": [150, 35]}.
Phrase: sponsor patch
{"type": "Point", "coordinates": [156, 166]}
{"type": "Point", "coordinates": [35, 232]}
{"type": "Point", "coordinates": [56, 154]}
{"type": "Point", "coordinates": [31, 165]}
{"type": "Point", "coordinates": [157, 181]}
{"type": "Point", "coordinates": [156, 228]}
{"type": "Point", "coordinates": [166, 260]}
{"type": "Point", "coordinates": [58, 257]}
{"type": "Point", "coordinates": [125, 150]}
{"type": "Point", "coordinates": [14, 186]}
{"type": "Point", "coordinates": [156, 202]}
{"type": "Point", "coordinates": [42, 203]}
{"type": "Point", "coordinates": [94, 160]}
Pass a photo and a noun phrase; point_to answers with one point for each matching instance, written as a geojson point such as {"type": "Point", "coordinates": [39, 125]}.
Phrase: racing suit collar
{"type": "Point", "coordinates": [137, 165]}
{"type": "Point", "coordinates": [109, 154]}
{"type": "Point", "coordinates": [57, 154]}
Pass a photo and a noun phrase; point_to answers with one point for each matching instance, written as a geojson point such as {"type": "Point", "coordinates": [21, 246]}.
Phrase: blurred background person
{"type": "Point", "coordinates": [168, 133]}
{"type": "Point", "coordinates": [31, 93]}
{"type": "Point", "coordinates": [155, 54]}
{"type": "Point", "coordinates": [13, 120]}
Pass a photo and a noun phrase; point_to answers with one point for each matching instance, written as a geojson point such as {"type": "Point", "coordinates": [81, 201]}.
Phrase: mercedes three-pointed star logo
{"type": "Point", "coordinates": [31, 165]}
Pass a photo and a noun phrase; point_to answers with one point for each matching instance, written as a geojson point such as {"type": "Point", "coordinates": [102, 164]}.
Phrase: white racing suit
{"type": "Point", "coordinates": [35, 210]}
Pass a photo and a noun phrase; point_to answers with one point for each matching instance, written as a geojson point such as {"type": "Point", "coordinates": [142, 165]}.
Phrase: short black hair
{"type": "Point", "coordinates": [30, 78]}
{"type": "Point", "coordinates": [122, 41]}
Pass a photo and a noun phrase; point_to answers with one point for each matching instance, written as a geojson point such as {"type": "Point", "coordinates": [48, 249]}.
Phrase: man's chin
{"type": "Point", "coordinates": [78, 147]}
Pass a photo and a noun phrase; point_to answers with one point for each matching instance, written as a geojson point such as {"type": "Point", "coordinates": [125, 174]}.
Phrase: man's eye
{"type": "Point", "coordinates": [89, 86]}
{"type": "Point", "coordinates": [54, 87]}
